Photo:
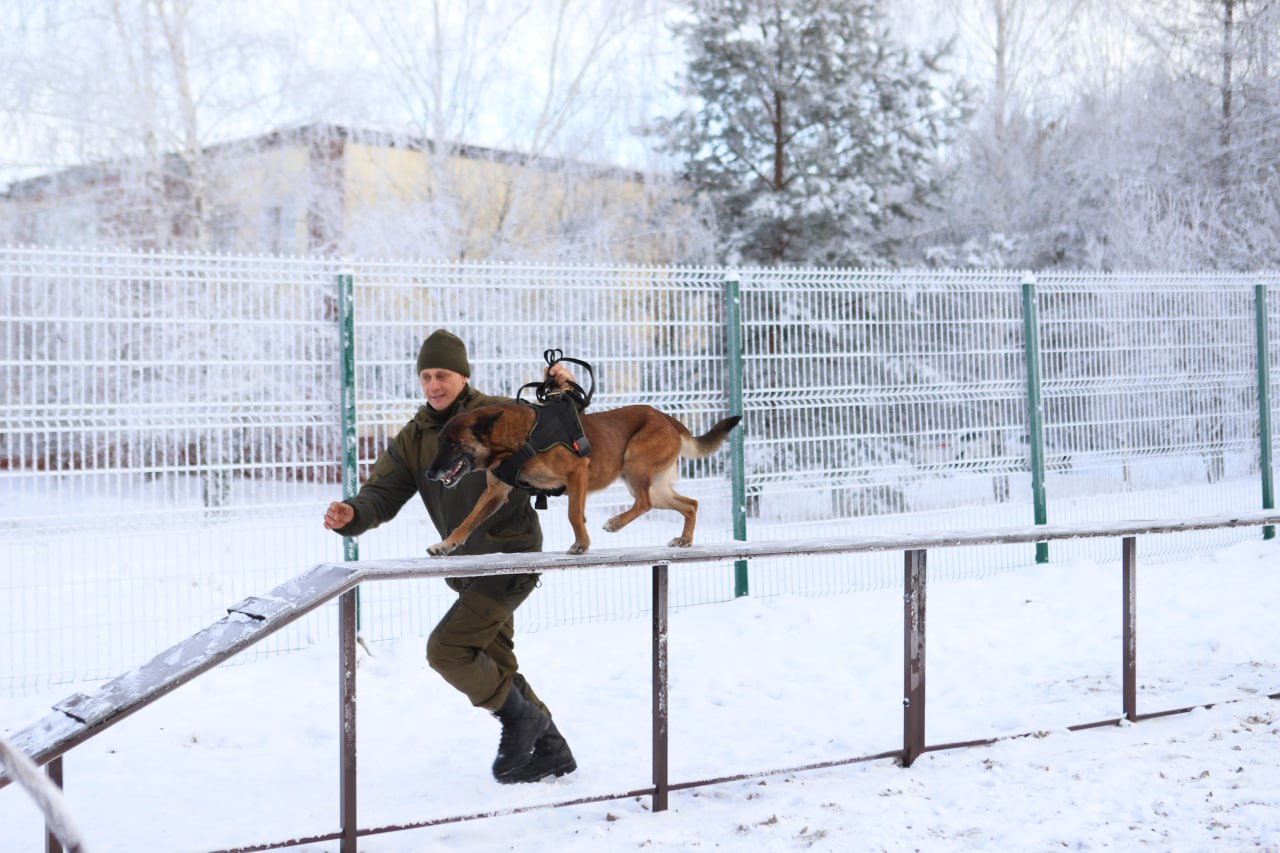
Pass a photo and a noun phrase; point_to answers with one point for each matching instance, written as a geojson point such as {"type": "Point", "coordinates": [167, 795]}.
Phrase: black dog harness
{"type": "Point", "coordinates": [557, 420]}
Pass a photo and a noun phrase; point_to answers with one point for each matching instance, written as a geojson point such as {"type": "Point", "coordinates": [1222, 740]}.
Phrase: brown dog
{"type": "Point", "coordinates": [638, 443]}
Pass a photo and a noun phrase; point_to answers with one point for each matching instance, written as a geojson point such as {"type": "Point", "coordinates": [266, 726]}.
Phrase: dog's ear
{"type": "Point", "coordinates": [483, 426]}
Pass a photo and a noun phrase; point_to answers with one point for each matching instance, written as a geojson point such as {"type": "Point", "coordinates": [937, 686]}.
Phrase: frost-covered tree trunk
{"type": "Point", "coordinates": [153, 36]}
{"type": "Point", "coordinates": [1218, 193]}
{"type": "Point", "coordinates": [1014, 47]}
{"type": "Point", "coordinates": [1019, 53]}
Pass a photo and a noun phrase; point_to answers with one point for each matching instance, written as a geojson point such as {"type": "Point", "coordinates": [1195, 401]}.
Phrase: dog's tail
{"type": "Point", "coordinates": [698, 446]}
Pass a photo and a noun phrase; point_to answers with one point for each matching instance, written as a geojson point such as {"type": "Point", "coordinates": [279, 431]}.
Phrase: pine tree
{"type": "Point", "coordinates": [813, 132]}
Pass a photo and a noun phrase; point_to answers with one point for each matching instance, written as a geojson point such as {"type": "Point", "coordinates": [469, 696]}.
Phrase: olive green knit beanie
{"type": "Point", "coordinates": [444, 349]}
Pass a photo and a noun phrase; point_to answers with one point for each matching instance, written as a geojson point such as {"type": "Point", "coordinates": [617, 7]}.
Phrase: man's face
{"type": "Point", "coordinates": [441, 387]}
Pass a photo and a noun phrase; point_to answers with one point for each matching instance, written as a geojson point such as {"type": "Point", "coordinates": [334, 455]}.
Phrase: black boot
{"type": "Point", "coordinates": [522, 724]}
{"type": "Point", "coordinates": [551, 757]}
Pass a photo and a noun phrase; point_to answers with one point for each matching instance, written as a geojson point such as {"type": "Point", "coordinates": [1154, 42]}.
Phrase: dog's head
{"type": "Point", "coordinates": [464, 446]}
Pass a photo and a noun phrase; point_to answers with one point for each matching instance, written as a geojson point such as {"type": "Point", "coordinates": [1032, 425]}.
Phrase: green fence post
{"type": "Point", "coordinates": [1035, 407]}
{"type": "Point", "coordinates": [737, 452]}
{"type": "Point", "coordinates": [347, 404]}
{"type": "Point", "coordinates": [1264, 402]}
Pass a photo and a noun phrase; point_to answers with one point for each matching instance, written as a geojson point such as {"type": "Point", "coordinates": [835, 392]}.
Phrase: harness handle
{"type": "Point", "coordinates": [548, 388]}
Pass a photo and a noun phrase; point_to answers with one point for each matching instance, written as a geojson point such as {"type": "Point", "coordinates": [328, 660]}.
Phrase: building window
{"type": "Point", "coordinates": [224, 229]}
{"type": "Point", "coordinates": [278, 228]}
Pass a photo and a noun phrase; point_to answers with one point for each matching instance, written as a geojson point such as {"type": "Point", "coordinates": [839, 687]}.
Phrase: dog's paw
{"type": "Point", "coordinates": [440, 549]}
{"type": "Point", "coordinates": [611, 527]}
{"type": "Point", "coordinates": [579, 547]}
{"type": "Point", "coordinates": [679, 542]}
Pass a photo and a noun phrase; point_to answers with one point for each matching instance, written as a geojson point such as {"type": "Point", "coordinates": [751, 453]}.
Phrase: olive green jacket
{"type": "Point", "coordinates": [398, 474]}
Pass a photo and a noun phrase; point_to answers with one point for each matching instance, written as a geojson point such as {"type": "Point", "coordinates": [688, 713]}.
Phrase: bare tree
{"type": "Point", "coordinates": [540, 80]}
{"type": "Point", "coordinates": [1015, 45]}
{"type": "Point", "coordinates": [1229, 48]}
{"type": "Point", "coordinates": [1218, 192]}
{"type": "Point", "coordinates": [143, 89]}
{"type": "Point", "coordinates": [1018, 53]}
{"type": "Point", "coordinates": [1119, 136]}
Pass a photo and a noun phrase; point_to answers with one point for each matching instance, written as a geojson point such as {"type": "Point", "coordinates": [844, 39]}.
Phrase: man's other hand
{"type": "Point", "coordinates": [338, 515]}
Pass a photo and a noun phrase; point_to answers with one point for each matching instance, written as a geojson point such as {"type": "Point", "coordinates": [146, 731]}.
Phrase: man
{"type": "Point", "coordinates": [473, 646]}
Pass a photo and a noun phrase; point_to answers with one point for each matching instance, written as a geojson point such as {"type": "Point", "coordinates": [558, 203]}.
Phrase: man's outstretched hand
{"type": "Point", "coordinates": [338, 515]}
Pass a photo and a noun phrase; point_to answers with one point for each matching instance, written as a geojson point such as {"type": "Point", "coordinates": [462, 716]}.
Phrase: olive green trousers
{"type": "Point", "coordinates": [473, 645]}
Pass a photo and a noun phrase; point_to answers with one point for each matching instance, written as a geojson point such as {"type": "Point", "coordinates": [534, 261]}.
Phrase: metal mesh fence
{"type": "Point", "coordinates": [1151, 400]}
{"type": "Point", "coordinates": [169, 429]}
{"type": "Point", "coordinates": [874, 401]}
{"type": "Point", "coordinates": [163, 417]}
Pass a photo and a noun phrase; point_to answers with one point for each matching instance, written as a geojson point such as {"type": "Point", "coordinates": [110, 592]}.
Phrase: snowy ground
{"type": "Point", "coordinates": [248, 754]}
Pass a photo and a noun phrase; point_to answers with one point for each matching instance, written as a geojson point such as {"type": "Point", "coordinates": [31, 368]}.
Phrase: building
{"type": "Point", "coordinates": [324, 189]}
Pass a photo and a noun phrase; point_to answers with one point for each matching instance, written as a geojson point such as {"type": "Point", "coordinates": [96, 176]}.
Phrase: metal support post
{"type": "Point", "coordinates": [51, 842]}
{"type": "Point", "coordinates": [1264, 403]}
{"type": "Point", "coordinates": [347, 715]}
{"type": "Point", "coordinates": [913, 656]}
{"type": "Point", "coordinates": [1035, 407]}
{"type": "Point", "coordinates": [737, 448]}
{"type": "Point", "coordinates": [1129, 637]}
{"type": "Point", "coordinates": [347, 397]}
{"type": "Point", "coordinates": [660, 781]}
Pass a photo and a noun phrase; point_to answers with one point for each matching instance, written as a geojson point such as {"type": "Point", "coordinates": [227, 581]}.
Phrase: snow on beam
{"type": "Point", "coordinates": [490, 564]}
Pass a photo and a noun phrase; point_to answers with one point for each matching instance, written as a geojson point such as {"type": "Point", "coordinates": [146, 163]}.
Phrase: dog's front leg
{"type": "Point", "coordinates": [576, 487]}
{"type": "Point", "coordinates": [494, 496]}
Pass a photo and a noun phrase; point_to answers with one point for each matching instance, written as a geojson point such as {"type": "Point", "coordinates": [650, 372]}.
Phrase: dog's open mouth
{"type": "Point", "coordinates": [454, 474]}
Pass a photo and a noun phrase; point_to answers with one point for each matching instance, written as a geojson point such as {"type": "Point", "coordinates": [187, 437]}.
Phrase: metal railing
{"type": "Point", "coordinates": [80, 717]}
